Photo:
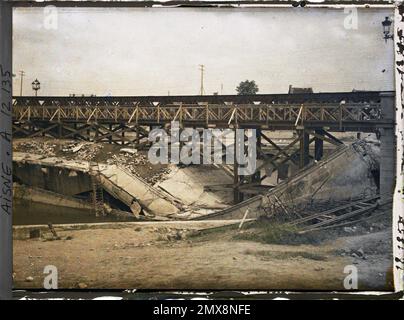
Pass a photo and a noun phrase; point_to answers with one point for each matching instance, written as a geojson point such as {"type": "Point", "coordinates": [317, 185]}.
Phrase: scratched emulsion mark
{"type": "Point", "coordinates": [5, 150]}
{"type": "Point", "coordinates": [5, 145]}
{"type": "Point", "coordinates": [398, 201]}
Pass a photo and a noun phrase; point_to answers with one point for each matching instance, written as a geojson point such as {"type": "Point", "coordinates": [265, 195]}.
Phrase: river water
{"type": "Point", "coordinates": [29, 213]}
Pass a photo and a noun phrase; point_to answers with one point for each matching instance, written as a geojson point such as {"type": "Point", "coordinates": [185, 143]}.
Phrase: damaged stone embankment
{"type": "Point", "coordinates": [128, 180]}
{"type": "Point", "coordinates": [35, 169]}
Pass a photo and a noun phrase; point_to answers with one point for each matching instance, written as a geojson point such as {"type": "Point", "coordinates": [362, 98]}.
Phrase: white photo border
{"type": "Point", "coordinates": [6, 116]}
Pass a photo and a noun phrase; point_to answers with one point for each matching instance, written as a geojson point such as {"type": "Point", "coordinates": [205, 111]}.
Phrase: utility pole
{"type": "Point", "coordinates": [202, 68]}
{"type": "Point", "coordinates": [22, 74]}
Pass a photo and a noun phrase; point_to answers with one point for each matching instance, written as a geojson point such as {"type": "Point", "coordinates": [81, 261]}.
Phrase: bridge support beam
{"type": "Point", "coordinates": [318, 146]}
{"type": "Point", "coordinates": [237, 195]}
{"type": "Point", "coordinates": [110, 137]}
{"type": "Point", "coordinates": [256, 178]}
{"type": "Point", "coordinates": [387, 149]}
{"type": "Point", "coordinates": [304, 148]}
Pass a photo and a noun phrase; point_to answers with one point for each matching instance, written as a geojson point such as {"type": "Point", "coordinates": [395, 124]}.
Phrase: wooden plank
{"type": "Point", "coordinates": [330, 211]}
{"type": "Point", "coordinates": [339, 218]}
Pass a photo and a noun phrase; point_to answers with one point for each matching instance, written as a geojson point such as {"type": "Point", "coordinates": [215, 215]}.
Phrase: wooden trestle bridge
{"type": "Point", "coordinates": [127, 120]}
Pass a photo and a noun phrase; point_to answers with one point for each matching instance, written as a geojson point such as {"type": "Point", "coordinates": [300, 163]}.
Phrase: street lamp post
{"type": "Point", "coordinates": [386, 29]}
{"type": "Point", "coordinates": [36, 85]}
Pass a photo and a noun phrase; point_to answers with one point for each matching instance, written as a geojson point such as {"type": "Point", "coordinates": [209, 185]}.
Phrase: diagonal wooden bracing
{"type": "Point", "coordinates": [95, 132]}
{"type": "Point", "coordinates": [296, 152]}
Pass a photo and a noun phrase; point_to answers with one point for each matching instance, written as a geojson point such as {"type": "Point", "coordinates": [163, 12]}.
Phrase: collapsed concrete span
{"type": "Point", "coordinates": [72, 177]}
{"type": "Point", "coordinates": [350, 172]}
{"type": "Point", "coordinates": [128, 188]}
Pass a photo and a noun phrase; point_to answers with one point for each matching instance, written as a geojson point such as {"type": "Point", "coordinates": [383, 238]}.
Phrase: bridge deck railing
{"type": "Point", "coordinates": [203, 113]}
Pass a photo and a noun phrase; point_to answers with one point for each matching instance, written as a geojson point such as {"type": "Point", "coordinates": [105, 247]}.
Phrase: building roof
{"type": "Point", "coordinates": [299, 90]}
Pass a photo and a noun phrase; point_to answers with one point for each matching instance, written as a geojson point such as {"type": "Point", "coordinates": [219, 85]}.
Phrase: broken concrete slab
{"type": "Point", "coordinates": [47, 197]}
{"type": "Point", "coordinates": [129, 188]}
{"type": "Point", "coordinates": [187, 184]}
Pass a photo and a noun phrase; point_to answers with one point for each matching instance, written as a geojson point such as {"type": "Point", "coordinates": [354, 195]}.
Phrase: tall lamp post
{"type": "Point", "coordinates": [36, 85]}
{"type": "Point", "coordinates": [386, 29]}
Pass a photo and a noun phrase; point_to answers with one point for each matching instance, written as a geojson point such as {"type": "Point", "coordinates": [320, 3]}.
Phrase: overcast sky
{"type": "Point", "coordinates": [156, 51]}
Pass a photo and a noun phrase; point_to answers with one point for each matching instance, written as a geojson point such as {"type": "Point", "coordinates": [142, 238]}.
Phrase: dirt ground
{"type": "Point", "coordinates": [168, 258]}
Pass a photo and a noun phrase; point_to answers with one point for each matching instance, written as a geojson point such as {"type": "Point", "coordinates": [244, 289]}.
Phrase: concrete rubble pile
{"type": "Point", "coordinates": [46, 149]}
{"type": "Point", "coordinates": [129, 158]}
{"type": "Point", "coordinates": [83, 151]}
{"type": "Point", "coordinates": [174, 234]}
{"type": "Point", "coordinates": [131, 162]}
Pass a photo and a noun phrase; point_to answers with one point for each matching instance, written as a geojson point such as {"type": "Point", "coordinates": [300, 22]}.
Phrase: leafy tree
{"type": "Point", "coordinates": [247, 87]}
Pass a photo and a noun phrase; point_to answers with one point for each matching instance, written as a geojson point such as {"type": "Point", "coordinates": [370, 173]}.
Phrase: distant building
{"type": "Point", "coordinates": [299, 90]}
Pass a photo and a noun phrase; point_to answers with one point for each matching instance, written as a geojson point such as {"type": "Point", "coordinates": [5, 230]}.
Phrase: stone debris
{"type": "Point", "coordinates": [82, 285]}
{"type": "Point", "coordinates": [360, 252]}
{"type": "Point", "coordinates": [29, 279]}
{"type": "Point", "coordinates": [77, 148]}
{"type": "Point", "coordinates": [46, 148]}
{"type": "Point", "coordinates": [88, 151]}
{"type": "Point", "coordinates": [128, 150]}
{"type": "Point", "coordinates": [136, 163]}
{"type": "Point", "coordinates": [349, 229]}
{"type": "Point", "coordinates": [73, 173]}
{"type": "Point", "coordinates": [355, 253]}
{"type": "Point", "coordinates": [130, 158]}
{"type": "Point", "coordinates": [169, 234]}
{"type": "Point", "coordinates": [69, 148]}
{"type": "Point", "coordinates": [136, 209]}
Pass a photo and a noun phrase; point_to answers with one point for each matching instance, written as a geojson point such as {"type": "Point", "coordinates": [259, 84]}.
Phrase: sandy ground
{"type": "Point", "coordinates": [148, 257]}
{"type": "Point", "coordinates": [158, 257]}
